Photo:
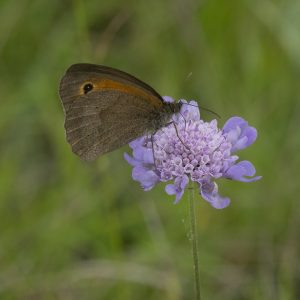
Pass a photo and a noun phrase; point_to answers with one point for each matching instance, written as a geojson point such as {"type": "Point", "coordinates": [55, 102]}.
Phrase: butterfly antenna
{"type": "Point", "coordinates": [204, 108]}
{"type": "Point", "coordinates": [210, 111]}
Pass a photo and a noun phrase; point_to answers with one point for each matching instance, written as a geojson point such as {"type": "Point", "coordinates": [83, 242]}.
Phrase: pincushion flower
{"type": "Point", "coordinates": [200, 152]}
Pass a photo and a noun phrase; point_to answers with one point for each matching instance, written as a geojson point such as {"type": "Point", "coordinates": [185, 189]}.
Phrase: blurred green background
{"type": "Point", "coordinates": [76, 230]}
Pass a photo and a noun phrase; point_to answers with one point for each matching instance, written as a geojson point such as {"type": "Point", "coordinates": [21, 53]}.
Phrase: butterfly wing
{"type": "Point", "coordinates": [118, 109]}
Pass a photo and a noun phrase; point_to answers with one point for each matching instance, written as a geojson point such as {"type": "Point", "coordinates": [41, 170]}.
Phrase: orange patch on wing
{"type": "Point", "coordinates": [132, 90]}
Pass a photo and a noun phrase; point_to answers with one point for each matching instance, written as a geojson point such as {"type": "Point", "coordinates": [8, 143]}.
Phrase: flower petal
{"type": "Point", "coordinates": [180, 183]}
{"type": "Point", "coordinates": [147, 178]}
{"type": "Point", "coordinates": [190, 111]}
{"type": "Point", "coordinates": [178, 196]}
{"type": "Point", "coordinates": [239, 134]}
{"type": "Point", "coordinates": [168, 99]}
{"type": "Point", "coordinates": [240, 170]}
{"type": "Point", "coordinates": [178, 187]}
{"type": "Point", "coordinates": [137, 142]}
{"type": "Point", "coordinates": [143, 154]}
{"type": "Point", "coordinates": [233, 123]}
{"type": "Point", "coordinates": [133, 162]}
{"type": "Point", "coordinates": [170, 189]}
{"type": "Point", "coordinates": [209, 192]}
{"type": "Point", "coordinates": [184, 181]}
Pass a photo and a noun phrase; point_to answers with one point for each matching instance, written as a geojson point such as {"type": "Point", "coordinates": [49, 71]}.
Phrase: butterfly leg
{"type": "Point", "coordinates": [183, 119]}
{"type": "Point", "coordinates": [178, 134]}
{"type": "Point", "coordinates": [153, 152]}
{"type": "Point", "coordinates": [180, 137]}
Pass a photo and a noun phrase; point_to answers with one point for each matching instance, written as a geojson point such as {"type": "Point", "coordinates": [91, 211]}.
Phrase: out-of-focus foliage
{"type": "Point", "coordinates": [75, 230]}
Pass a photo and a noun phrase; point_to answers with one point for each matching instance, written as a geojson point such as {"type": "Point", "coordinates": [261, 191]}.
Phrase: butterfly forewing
{"type": "Point", "coordinates": [108, 117]}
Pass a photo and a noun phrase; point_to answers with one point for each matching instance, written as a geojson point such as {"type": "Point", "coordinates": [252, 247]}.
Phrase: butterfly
{"type": "Point", "coordinates": [106, 108]}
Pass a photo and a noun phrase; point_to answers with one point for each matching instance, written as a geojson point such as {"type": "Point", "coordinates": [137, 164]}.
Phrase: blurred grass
{"type": "Point", "coordinates": [72, 230]}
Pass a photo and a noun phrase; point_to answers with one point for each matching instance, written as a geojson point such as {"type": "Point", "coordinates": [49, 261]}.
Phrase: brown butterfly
{"type": "Point", "coordinates": [106, 108]}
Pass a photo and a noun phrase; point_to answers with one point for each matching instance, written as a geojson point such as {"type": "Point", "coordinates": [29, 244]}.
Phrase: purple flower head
{"type": "Point", "coordinates": [200, 152]}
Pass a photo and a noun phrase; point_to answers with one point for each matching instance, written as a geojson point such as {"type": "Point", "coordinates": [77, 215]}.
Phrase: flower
{"type": "Point", "coordinates": [200, 152]}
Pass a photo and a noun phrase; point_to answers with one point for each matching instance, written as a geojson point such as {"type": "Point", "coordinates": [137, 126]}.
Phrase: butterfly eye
{"type": "Point", "coordinates": [87, 87]}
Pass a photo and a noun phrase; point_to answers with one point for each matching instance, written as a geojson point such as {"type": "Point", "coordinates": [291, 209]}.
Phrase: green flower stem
{"type": "Point", "coordinates": [194, 237]}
